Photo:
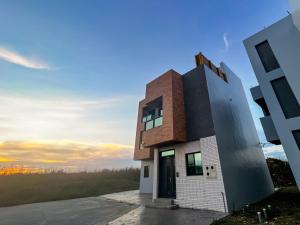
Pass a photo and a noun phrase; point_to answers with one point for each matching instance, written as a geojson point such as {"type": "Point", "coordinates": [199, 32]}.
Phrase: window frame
{"type": "Point", "coordinates": [149, 122]}
{"type": "Point", "coordinates": [153, 119]}
{"type": "Point", "coordinates": [188, 170]}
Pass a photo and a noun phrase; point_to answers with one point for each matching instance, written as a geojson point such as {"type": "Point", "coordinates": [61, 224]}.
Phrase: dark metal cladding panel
{"type": "Point", "coordinates": [199, 121]}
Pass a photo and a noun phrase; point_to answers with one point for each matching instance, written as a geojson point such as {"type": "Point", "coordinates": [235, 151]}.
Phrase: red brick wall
{"type": "Point", "coordinates": [170, 87]}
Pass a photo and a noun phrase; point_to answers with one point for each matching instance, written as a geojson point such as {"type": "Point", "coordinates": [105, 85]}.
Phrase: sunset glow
{"type": "Point", "coordinates": [66, 155]}
{"type": "Point", "coordinates": [20, 170]}
{"type": "Point", "coordinates": [6, 159]}
{"type": "Point", "coordinates": [54, 133]}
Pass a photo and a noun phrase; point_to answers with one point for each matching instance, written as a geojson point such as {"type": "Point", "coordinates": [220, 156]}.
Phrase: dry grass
{"type": "Point", "coordinates": [30, 188]}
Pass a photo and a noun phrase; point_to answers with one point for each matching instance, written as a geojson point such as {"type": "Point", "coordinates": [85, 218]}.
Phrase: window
{"type": "Point", "coordinates": [167, 153]}
{"type": "Point", "coordinates": [286, 97]}
{"type": "Point", "coordinates": [267, 56]}
{"type": "Point", "coordinates": [146, 171]}
{"type": "Point", "coordinates": [154, 120]}
{"type": "Point", "coordinates": [194, 164]}
{"type": "Point", "coordinates": [296, 134]}
{"type": "Point", "coordinates": [149, 117]}
{"type": "Point", "coordinates": [158, 122]}
{"type": "Point", "coordinates": [149, 125]}
{"type": "Point", "coordinates": [153, 114]}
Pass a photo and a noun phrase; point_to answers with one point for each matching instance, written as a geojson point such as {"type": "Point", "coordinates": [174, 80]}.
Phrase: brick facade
{"type": "Point", "coordinates": [168, 86]}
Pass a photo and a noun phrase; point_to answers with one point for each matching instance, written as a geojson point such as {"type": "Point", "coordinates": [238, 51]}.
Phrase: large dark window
{"type": "Point", "coordinates": [146, 171]}
{"type": "Point", "coordinates": [286, 97]}
{"type": "Point", "coordinates": [194, 164]}
{"type": "Point", "coordinates": [267, 56]}
{"type": "Point", "coordinates": [296, 134]}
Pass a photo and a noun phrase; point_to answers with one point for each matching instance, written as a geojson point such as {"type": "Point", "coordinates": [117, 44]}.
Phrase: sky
{"type": "Point", "coordinates": [72, 72]}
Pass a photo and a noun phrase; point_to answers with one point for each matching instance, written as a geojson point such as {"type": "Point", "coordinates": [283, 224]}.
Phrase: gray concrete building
{"type": "Point", "coordinates": [274, 53]}
{"type": "Point", "coordinates": [197, 141]}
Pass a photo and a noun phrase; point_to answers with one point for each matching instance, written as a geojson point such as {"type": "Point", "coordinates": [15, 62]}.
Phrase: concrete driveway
{"type": "Point", "coordinates": [83, 211]}
{"type": "Point", "coordinates": [114, 209]}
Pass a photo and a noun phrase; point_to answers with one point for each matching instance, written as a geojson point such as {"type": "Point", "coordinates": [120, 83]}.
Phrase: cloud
{"type": "Point", "coordinates": [16, 58]}
{"type": "Point", "coordinates": [6, 159]}
{"type": "Point", "coordinates": [72, 118]}
{"type": "Point", "coordinates": [275, 151]}
{"type": "Point", "coordinates": [226, 42]}
{"type": "Point", "coordinates": [63, 154]}
{"type": "Point", "coordinates": [71, 133]}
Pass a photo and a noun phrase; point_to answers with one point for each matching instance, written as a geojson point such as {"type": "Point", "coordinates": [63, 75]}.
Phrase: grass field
{"type": "Point", "coordinates": [286, 210]}
{"type": "Point", "coordinates": [30, 188]}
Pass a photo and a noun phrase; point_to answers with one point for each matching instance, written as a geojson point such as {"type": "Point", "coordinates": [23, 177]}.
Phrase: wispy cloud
{"type": "Point", "coordinates": [226, 42]}
{"type": "Point", "coordinates": [18, 59]}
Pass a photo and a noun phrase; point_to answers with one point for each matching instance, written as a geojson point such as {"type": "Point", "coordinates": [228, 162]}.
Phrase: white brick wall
{"type": "Point", "coordinates": [199, 192]}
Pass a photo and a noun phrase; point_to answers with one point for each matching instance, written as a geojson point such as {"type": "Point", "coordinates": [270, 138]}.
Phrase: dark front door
{"type": "Point", "coordinates": [167, 184]}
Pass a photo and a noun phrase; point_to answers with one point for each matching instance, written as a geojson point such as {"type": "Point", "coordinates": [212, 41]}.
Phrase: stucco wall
{"type": "Point", "coordinates": [295, 8]}
{"type": "Point", "coordinates": [284, 40]}
{"type": "Point", "coordinates": [146, 184]}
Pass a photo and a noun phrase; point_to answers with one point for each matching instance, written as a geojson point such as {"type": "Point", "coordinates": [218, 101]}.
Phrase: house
{"type": "Point", "coordinates": [274, 53]}
{"type": "Point", "coordinates": [197, 141]}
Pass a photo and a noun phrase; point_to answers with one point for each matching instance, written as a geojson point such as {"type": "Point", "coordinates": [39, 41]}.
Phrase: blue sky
{"type": "Point", "coordinates": [72, 72]}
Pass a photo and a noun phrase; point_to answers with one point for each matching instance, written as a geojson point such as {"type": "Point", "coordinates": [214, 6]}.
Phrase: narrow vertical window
{"type": "Point", "coordinates": [296, 134]}
{"type": "Point", "coordinates": [286, 97]}
{"type": "Point", "coordinates": [146, 171]}
{"type": "Point", "coordinates": [267, 56]}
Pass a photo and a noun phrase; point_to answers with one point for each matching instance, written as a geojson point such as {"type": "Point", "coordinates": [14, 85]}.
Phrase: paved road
{"type": "Point", "coordinates": [113, 209]}
{"type": "Point", "coordinates": [84, 211]}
